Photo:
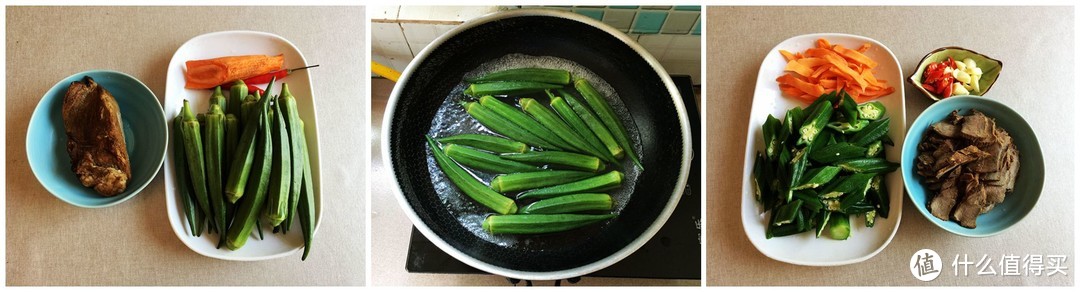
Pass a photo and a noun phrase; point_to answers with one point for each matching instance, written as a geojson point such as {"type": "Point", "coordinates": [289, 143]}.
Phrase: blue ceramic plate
{"type": "Point", "coordinates": [1029, 180]}
{"type": "Point", "coordinates": [144, 132]}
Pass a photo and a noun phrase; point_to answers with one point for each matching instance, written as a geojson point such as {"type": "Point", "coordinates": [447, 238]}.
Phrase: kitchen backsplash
{"type": "Point", "coordinates": [672, 34]}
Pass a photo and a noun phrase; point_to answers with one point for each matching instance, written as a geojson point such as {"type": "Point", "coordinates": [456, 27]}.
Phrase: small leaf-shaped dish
{"type": "Point", "coordinates": [990, 67]}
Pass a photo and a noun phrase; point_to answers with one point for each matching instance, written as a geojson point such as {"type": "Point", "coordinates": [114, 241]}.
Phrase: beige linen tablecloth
{"type": "Point", "coordinates": [52, 243]}
{"type": "Point", "coordinates": [1036, 47]}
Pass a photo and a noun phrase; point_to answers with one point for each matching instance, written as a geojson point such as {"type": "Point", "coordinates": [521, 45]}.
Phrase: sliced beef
{"type": "Point", "coordinates": [968, 210]}
{"type": "Point", "coordinates": [977, 127]}
{"type": "Point", "coordinates": [990, 163]}
{"type": "Point", "coordinates": [958, 158]}
{"type": "Point", "coordinates": [994, 194]}
{"type": "Point", "coordinates": [942, 204]}
{"type": "Point", "coordinates": [1012, 167]}
{"type": "Point", "coordinates": [970, 164]}
{"type": "Point", "coordinates": [945, 129]}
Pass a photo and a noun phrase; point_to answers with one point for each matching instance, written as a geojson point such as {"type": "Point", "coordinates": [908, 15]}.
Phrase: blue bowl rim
{"type": "Point", "coordinates": [906, 164]}
{"type": "Point", "coordinates": [140, 187]}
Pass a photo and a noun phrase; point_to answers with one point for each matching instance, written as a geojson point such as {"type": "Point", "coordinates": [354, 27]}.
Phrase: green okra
{"type": "Point", "coordinates": [486, 142]}
{"type": "Point", "coordinates": [542, 75]}
{"type": "Point", "coordinates": [589, 202]}
{"type": "Point", "coordinates": [507, 88]}
{"type": "Point", "coordinates": [559, 159]}
{"type": "Point", "coordinates": [607, 181]}
{"type": "Point", "coordinates": [539, 223]}
{"type": "Point", "coordinates": [501, 125]}
{"type": "Point", "coordinates": [485, 161]}
{"type": "Point", "coordinates": [521, 181]}
{"type": "Point", "coordinates": [607, 115]}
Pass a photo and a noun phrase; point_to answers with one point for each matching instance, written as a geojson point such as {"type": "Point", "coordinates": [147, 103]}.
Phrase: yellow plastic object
{"type": "Point", "coordinates": [386, 72]}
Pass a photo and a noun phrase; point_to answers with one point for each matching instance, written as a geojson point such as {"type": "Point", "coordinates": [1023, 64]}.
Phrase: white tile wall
{"type": "Point", "coordinates": [384, 12]}
{"type": "Point", "coordinates": [399, 33]}
{"type": "Point", "coordinates": [444, 13]}
{"type": "Point", "coordinates": [389, 40]}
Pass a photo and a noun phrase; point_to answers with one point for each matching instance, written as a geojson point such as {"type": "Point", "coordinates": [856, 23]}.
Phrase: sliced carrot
{"type": "Point", "coordinates": [841, 65]}
{"type": "Point", "coordinates": [205, 74]}
{"type": "Point", "coordinates": [820, 53]}
{"type": "Point", "coordinates": [798, 68]}
{"type": "Point", "coordinates": [855, 56]}
{"type": "Point", "coordinates": [823, 44]}
{"type": "Point", "coordinates": [827, 68]}
{"type": "Point", "coordinates": [869, 77]}
{"type": "Point", "coordinates": [812, 62]}
{"type": "Point", "coordinates": [788, 56]}
{"type": "Point", "coordinates": [801, 85]}
{"type": "Point", "coordinates": [865, 47]}
{"type": "Point", "coordinates": [821, 69]}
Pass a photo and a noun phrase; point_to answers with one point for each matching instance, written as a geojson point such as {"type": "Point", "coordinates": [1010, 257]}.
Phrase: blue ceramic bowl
{"type": "Point", "coordinates": [1029, 180]}
{"type": "Point", "coordinates": [144, 131]}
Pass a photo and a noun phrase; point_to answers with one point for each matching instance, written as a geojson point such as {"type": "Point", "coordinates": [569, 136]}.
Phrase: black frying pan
{"type": "Point", "coordinates": [644, 87]}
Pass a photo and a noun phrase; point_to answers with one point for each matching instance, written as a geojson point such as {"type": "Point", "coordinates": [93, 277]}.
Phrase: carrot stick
{"type": "Point", "coordinates": [788, 56]}
{"type": "Point", "coordinates": [205, 74]}
{"type": "Point", "coordinates": [798, 68]}
{"type": "Point", "coordinates": [855, 56]}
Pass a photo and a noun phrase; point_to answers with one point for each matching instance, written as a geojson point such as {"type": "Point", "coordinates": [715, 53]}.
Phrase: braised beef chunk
{"type": "Point", "coordinates": [970, 163]}
{"type": "Point", "coordinates": [95, 138]}
{"type": "Point", "coordinates": [977, 127]}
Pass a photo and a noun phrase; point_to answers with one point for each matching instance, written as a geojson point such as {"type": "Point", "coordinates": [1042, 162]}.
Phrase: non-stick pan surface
{"type": "Point", "coordinates": [645, 89]}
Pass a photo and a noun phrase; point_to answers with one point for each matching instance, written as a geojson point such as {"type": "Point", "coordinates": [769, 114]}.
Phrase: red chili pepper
{"type": "Point", "coordinates": [279, 74]}
{"type": "Point", "coordinates": [253, 89]}
{"type": "Point", "coordinates": [936, 80]}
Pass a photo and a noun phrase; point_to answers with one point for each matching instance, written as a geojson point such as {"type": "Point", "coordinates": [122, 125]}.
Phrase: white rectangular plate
{"type": "Point", "coordinates": [804, 248]}
{"type": "Point", "coordinates": [230, 43]}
